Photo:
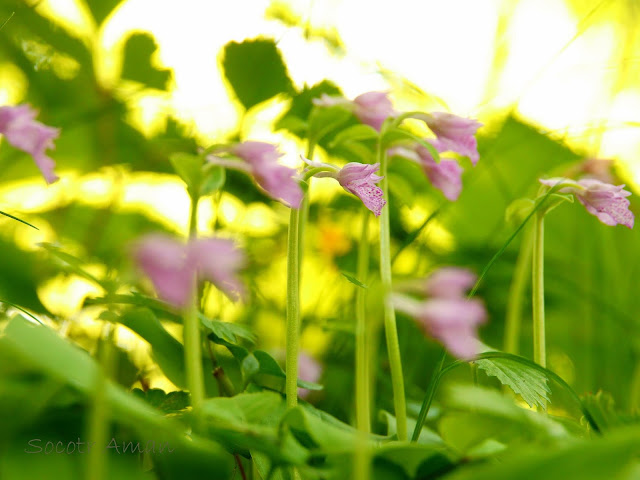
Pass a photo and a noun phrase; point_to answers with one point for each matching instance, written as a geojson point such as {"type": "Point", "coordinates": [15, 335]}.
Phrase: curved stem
{"type": "Point", "coordinates": [537, 278]}
{"type": "Point", "coordinates": [513, 320]}
{"type": "Point", "coordinates": [426, 404]}
{"type": "Point", "coordinates": [293, 309]}
{"type": "Point", "coordinates": [391, 331]}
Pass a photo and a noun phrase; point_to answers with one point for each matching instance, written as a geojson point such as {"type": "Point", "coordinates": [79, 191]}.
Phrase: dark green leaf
{"type": "Point", "coordinates": [170, 402]}
{"type": "Point", "coordinates": [255, 70]}
{"type": "Point", "coordinates": [101, 9]}
{"type": "Point", "coordinates": [137, 62]}
{"type": "Point", "coordinates": [354, 280]}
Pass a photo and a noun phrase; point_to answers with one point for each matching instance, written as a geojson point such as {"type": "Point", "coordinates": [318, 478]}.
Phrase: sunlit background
{"type": "Point", "coordinates": [570, 68]}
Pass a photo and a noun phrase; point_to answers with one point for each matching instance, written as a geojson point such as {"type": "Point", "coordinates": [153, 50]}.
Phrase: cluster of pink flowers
{"type": "Point", "coordinates": [19, 127]}
{"type": "Point", "coordinates": [447, 315]}
{"type": "Point", "coordinates": [175, 267]}
{"type": "Point", "coordinates": [607, 202]}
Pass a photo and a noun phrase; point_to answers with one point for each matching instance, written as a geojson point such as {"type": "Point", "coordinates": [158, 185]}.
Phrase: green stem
{"type": "Point", "coordinates": [391, 331]}
{"type": "Point", "coordinates": [192, 339]}
{"type": "Point", "coordinates": [513, 320]}
{"type": "Point", "coordinates": [98, 428]}
{"type": "Point", "coordinates": [428, 398]}
{"type": "Point", "coordinates": [537, 278]}
{"type": "Point", "coordinates": [293, 309]}
{"type": "Point", "coordinates": [363, 413]}
{"type": "Point", "coordinates": [363, 396]}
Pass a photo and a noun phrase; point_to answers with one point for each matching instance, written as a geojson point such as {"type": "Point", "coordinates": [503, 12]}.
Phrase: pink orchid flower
{"type": "Point", "coordinates": [371, 108]}
{"type": "Point", "coordinates": [454, 134]}
{"type": "Point", "coordinates": [21, 130]}
{"type": "Point", "coordinates": [261, 161]}
{"type": "Point", "coordinates": [445, 175]}
{"type": "Point", "coordinates": [450, 282]}
{"type": "Point", "coordinates": [605, 201]}
{"type": "Point", "coordinates": [452, 321]}
{"type": "Point", "coordinates": [358, 179]}
{"type": "Point", "coordinates": [175, 267]}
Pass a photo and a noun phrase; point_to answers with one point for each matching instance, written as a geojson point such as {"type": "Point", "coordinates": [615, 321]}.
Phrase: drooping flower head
{"type": "Point", "coordinates": [447, 315]}
{"type": "Point", "coordinates": [261, 161]}
{"type": "Point", "coordinates": [450, 282]}
{"type": "Point", "coordinates": [452, 321]}
{"type": "Point", "coordinates": [174, 267]}
{"type": "Point", "coordinates": [445, 175]}
{"type": "Point", "coordinates": [454, 134]}
{"type": "Point", "coordinates": [605, 201]}
{"type": "Point", "coordinates": [371, 108]}
{"type": "Point", "coordinates": [21, 130]}
{"type": "Point", "coordinates": [356, 178]}
{"type": "Point", "coordinates": [360, 179]}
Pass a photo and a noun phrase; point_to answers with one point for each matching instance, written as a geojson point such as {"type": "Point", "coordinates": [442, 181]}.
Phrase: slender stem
{"type": "Point", "coordinates": [293, 309]}
{"type": "Point", "coordinates": [513, 320]}
{"type": "Point", "coordinates": [192, 339]}
{"type": "Point", "coordinates": [225, 386]}
{"type": "Point", "coordinates": [391, 331]}
{"type": "Point", "coordinates": [98, 428]}
{"type": "Point", "coordinates": [428, 398]}
{"type": "Point", "coordinates": [537, 278]}
{"type": "Point", "coordinates": [363, 413]}
{"type": "Point", "coordinates": [363, 396]}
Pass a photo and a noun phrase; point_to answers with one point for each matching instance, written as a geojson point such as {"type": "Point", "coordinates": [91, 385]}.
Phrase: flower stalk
{"type": "Point", "coordinates": [513, 320]}
{"type": "Point", "coordinates": [537, 282]}
{"type": "Point", "coordinates": [391, 331]}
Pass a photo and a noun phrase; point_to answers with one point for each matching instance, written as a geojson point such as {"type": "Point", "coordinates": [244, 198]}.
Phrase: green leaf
{"type": "Point", "coordinates": [323, 120]}
{"type": "Point", "coordinates": [75, 265]}
{"type": "Point", "coordinates": [415, 459]}
{"type": "Point", "coordinates": [231, 332]}
{"type": "Point", "coordinates": [396, 134]}
{"type": "Point", "coordinates": [255, 70]}
{"type": "Point", "coordinates": [354, 280]}
{"type": "Point", "coordinates": [213, 181]}
{"type": "Point", "coordinates": [171, 402]}
{"type": "Point", "coordinates": [18, 219]}
{"type": "Point", "coordinates": [189, 169]}
{"type": "Point", "coordinates": [137, 62]}
{"type": "Point", "coordinates": [101, 9]}
{"type": "Point", "coordinates": [354, 133]}
{"type": "Point", "coordinates": [530, 384]}
{"type": "Point", "coordinates": [296, 119]}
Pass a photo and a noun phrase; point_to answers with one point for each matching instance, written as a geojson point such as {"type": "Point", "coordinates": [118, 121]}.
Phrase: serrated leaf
{"type": "Point", "coordinates": [255, 70]}
{"type": "Point", "coordinates": [137, 62]}
{"type": "Point", "coordinates": [354, 280]}
{"type": "Point", "coordinates": [530, 384]}
{"type": "Point", "coordinates": [168, 402]}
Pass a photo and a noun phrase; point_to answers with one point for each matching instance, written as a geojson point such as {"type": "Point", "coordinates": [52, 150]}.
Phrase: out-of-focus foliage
{"type": "Point", "coordinates": [75, 275]}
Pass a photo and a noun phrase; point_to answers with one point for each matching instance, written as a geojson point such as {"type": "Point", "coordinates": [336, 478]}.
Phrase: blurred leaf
{"type": "Point", "coordinates": [101, 9]}
{"type": "Point", "coordinates": [170, 402]}
{"type": "Point", "coordinates": [296, 119]}
{"type": "Point", "coordinates": [249, 421]}
{"type": "Point", "coordinates": [138, 51]}
{"type": "Point", "coordinates": [354, 133]}
{"type": "Point", "coordinates": [214, 179]}
{"type": "Point", "coordinates": [255, 70]}
{"type": "Point", "coordinates": [416, 460]}
{"type": "Point", "coordinates": [189, 169]}
{"type": "Point", "coordinates": [530, 384]}
{"type": "Point", "coordinates": [324, 120]}
{"type": "Point", "coordinates": [354, 280]}
{"type": "Point", "coordinates": [18, 219]}
{"type": "Point", "coordinates": [602, 408]}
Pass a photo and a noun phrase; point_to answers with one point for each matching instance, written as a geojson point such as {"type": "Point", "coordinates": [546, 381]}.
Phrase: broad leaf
{"type": "Point", "coordinates": [137, 62]}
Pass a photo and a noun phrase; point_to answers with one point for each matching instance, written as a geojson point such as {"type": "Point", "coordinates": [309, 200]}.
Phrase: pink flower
{"type": "Point", "coordinates": [452, 321]}
{"type": "Point", "coordinates": [174, 267]}
{"type": "Point", "coordinates": [21, 130]}
{"type": "Point", "coordinates": [445, 175]}
{"type": "Point", "coordinates": [454, 134]}
{"type": "Point", "coordinates": [450, 282]}
{"type": "Point", "coordinates": [371, 108]}
{"type": "Point", "coordinates": [360, 179]}
{"type": "Point", "coordinates": [605, 201]}
{"type": "Point", "coordinates": [308, 370]}
{"type": "Point", "coordinates": [261, 159]}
